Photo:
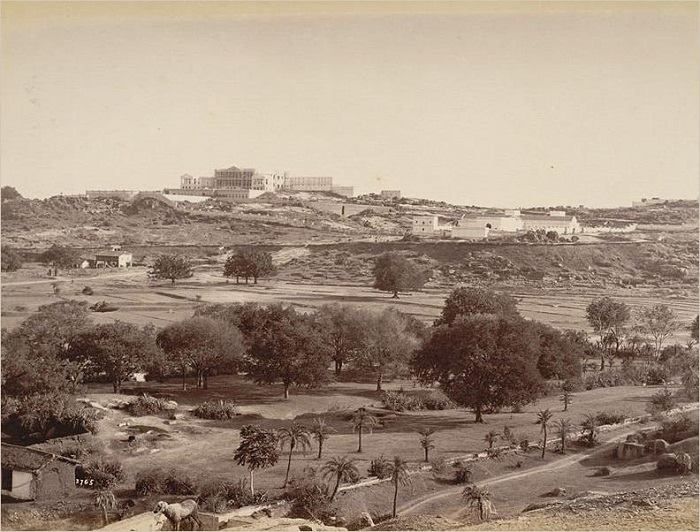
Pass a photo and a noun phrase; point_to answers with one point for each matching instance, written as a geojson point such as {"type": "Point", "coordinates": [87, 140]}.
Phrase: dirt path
{"type": "Point", "coordinates": [411, 507]}
{"type": "Point", "coordinates": [69, 279]}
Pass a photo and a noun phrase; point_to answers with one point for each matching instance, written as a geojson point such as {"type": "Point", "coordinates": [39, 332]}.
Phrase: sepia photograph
{"type": "Point", "coordinates": [349, 265]}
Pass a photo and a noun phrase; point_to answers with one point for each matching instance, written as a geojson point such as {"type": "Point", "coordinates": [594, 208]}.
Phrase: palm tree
{"type": "Point", "coordinates": [105, 501]}
{"type": "Point", "coordinates": [296, 436]}
{"type": "Point", "coordinates": [481, 499]}
{"type": "Point", "coordinates": [342, 469]}
{"type": "Point", "coordinates": [491, 438]}
{"type": "Point", "coordinates": [590, 425]}
{"type": "Point", "coordinates": [399, 475]}
{"type": "Point", "coordinates": [566, 398]}
{"type": "Point", "coordinates": [362, 420]}
{"type": "Point", "coordinates": [564, 428]}
{"type": "Point", "coordinates": [321, 431]}
{"type": "Point", "coordinates": [426, 441]}
{"type": "Point", "coordinates": [543, 417]}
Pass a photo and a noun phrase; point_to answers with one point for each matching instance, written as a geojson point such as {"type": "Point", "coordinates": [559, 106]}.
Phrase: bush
{"type": "Point", "coordinates": [221, 495]}
{"type": "Point", "coordinates": [380, 468]}
{"type": "Point", "coordinates": [216, 410]}
{"type": "Point", "coordinates": [660, 402]}
{"type": "Point", "coordinates": [38, 417]}
{"type": "Point", "coordinates": [437, 400]}
{"type": "Point", "coordinates": [610, 418]}
{"type": "Point", "coordinates": [399, 401]}
{"type": "Point", "coordinates": [310, 499]}
{"type": "Point", "coordinates": [613, 377]}
{"type": "Point", "coordinates": [87, 291]}
{"type": "Point", "coordinates": [103, 306]}
{"type": "Point", "coordinates": [438, 465]}
{"type": "Point", "coordinates": [572, 385]}
{"type": "Point", "coordinates": [656, 375]}
{"type": "Point", "coordinates": [158, 482]}
{"type": "Point", "coordinates": [677, 428]}
{"type": "Point", "coordinates": [146, 405]}
{"type": "Point", "coordinates": [463, 475]}
{"type": "Point", "coordinates": [101, 474]}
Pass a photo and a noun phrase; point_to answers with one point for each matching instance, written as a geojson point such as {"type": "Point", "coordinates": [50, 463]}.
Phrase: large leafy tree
{"type": "Point", "coordinates": [286, 348]}
{"type": "Point", "coordinates": [116, 350]}
{"type": "Point", "coordinates": [342, 328]}
{"type": "Point", "coordinates": [559, 356]}
{"type": "Point", "coordinates": [395, 273]}
{"type": "Point", "coordinates": [482, 362]}
{"type": "Point", "coordinates": [659, 322]}
{"type": "Point", "coordinates": [11, 261]}
{"type": "Point", "coordinates": [608, 319]}
{"type": "Point", "coordinates": [257, 450]}
{"type": "Point", "coordinates": [246, 317]}
{"type": "Point", "coordinates": [388, 342]}
{"type": "Point", "coordinates": [294, 436]}
{"type": "Point", "coordinates": [59, 256]}
{"type": "Point", "coordinates": [465, 301]}
{"type": "Point", "coordinates": [204, 345]}
{"type": "Point", "coordinates": [171, 267]}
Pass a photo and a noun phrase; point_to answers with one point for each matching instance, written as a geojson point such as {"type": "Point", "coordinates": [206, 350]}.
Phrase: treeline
{"type": "Point", "coordinates": [481, 351]}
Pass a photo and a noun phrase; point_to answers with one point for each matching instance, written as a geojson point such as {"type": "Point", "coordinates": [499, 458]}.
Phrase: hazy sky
{"type": "Point", "coordinates": [490, 104]}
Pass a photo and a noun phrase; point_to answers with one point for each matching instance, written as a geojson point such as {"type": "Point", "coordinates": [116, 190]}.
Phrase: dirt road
{"type": "Point", "coordinates": [413, 506]}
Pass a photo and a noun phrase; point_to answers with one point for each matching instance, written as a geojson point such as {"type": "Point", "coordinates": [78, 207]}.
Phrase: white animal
{"type": "Point", "coordinates": [178, 512]}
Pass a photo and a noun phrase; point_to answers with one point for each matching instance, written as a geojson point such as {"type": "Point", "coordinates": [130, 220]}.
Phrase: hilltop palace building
{"type": "Point", "coordinates": [245, 183]}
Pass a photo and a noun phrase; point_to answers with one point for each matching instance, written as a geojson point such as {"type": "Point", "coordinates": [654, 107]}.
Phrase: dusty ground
{"type": "Point", "coordinates": [204, 448]}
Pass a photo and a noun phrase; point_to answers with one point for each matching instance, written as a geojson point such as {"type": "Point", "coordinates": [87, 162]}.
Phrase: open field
{"type": "Point", "coordinates": [141, 300]}
{"type": "Point", "coordinates": [204, 448]}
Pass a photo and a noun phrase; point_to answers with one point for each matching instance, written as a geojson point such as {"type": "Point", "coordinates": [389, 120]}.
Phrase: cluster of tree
{"type": "Point", "coordinates": [485, 356]}
{"type": "Point", "coordinates": [247, 263]}
{"type": "Point", "coordinates": [622, 334]}
{"type": "Point", "coordinates": [11, 261]}
{"type": "Point", "coordinates": [59, 257]}
{"type": "Point", "coordinates": [284, 346]}
{"type": "Point", "coordinates": [9, 193]}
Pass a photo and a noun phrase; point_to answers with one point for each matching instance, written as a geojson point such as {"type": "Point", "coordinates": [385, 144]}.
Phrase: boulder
{"type": "Point", "coordinates": [305, 528]}
{"type": "Point", "coordinates": [666, 462]}
{"type": "Point", "coordinates": [556, 492]}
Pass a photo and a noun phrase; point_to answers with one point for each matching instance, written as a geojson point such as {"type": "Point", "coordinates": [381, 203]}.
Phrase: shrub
{"type": "Point", "coordinates": [660, 402]}
{"type": "Point", "coordinates": [463, 475]}
{"type": "Point", "coordinates": [495, 453]}
{"type": "Point", "coordinates": [437, 400]}
{"type": "Point", "coordinates": [572, 385]}
{"type": "Point", "coordinates": [380, 468]}
{"type": "Point", "coordinates": [146, 405]}
{"type": "Point", "coordinates": [158, 482]}
{"type": "Point", "coordinates": [613, 377]}
{"type": "Point", "coordinates": [656, 375]}
{"type": "Point", "coordinates": [524, 445]}
{"type": "Point", "coordinates": [216, 410]}
{"type": "Point", "coordinates": [103, 306]}
{"type": "Point", "coordinates": [602, 472]}
{"type": "Point", "coordinates": [438, 465]}
{"type": "Point", "coordinates": [610, 418]}
{"type": "Point", "coordinates": [101, 474]}
{"type": "Point", "coordinates": [310, 499]}
{"type": "Point", "coordinates": [399, 401]}
{"type": "Point", "coordinates": [676, 428]}
{"type": "Point", "coordinates": [38, 417]}
{"type": "Point", "coordinates": [87, 291]}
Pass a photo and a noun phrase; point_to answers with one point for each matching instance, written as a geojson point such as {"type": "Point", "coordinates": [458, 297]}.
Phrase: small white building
{"type": "Point", "coordinates": [113, 259]}
{"type": "Point", "coordinates": [431, 225]}
{"type": "Point", "coordinates": [470, 228]}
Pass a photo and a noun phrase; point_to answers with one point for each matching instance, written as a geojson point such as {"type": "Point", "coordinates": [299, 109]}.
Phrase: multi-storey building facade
{"type": "Point", "coordinates": [234, 177]}
{"type": "Point", "coordinates": [308, 183]}
{"type": "Point", "coordinates": [187, 182]}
